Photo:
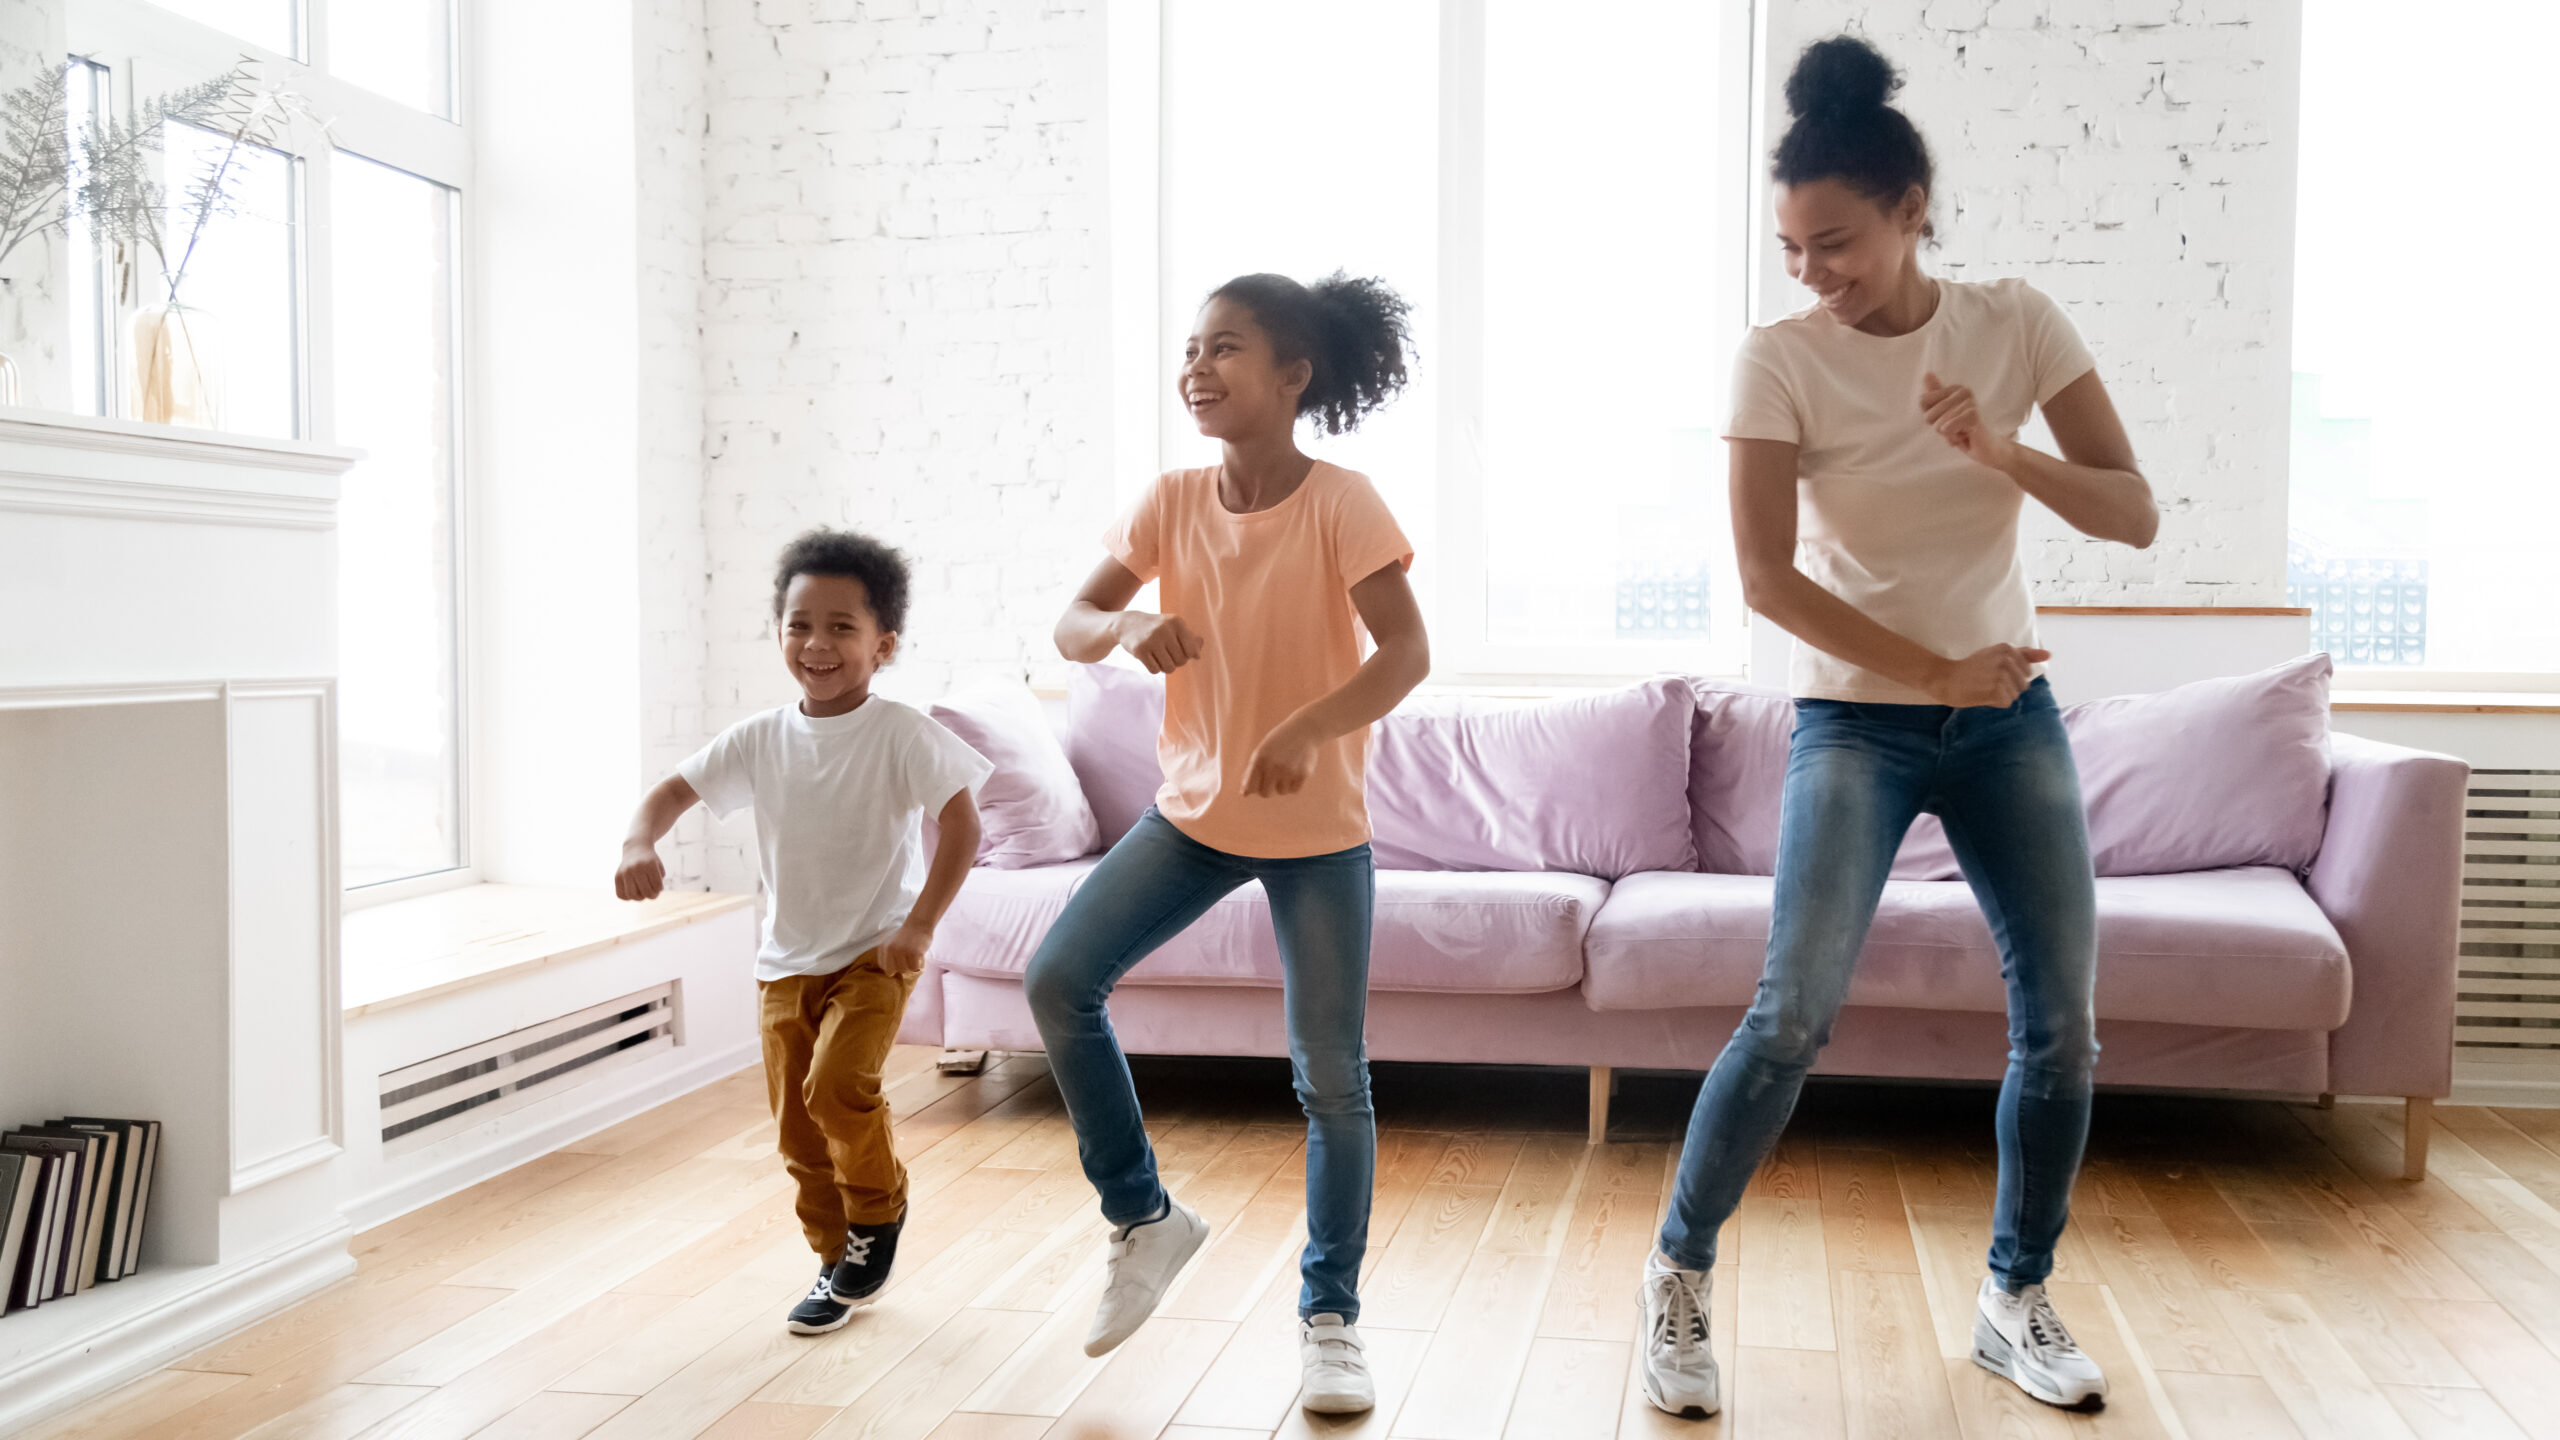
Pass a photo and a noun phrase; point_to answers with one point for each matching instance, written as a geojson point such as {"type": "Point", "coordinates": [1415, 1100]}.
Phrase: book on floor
{"type": "Point", "coordinates": [39, 1256]}
{"type": "Point", "coordinates": [71, 1191]}
{"type": "Point", "coordinates": [96, 1166]}
{"type": "Point", "coordinates": [123, 1191]}
{"type": "Point", "coordinates": [19, 1175]}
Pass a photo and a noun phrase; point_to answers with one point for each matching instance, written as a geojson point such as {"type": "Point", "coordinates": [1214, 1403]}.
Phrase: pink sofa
{"type": "Point", "coordinates": [1586, 882]}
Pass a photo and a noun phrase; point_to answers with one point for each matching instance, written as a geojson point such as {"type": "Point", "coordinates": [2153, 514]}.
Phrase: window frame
{"type": "Point", "coordinates": [1142, 405]}
{"type": "Point", "coordinates": [146, 49]}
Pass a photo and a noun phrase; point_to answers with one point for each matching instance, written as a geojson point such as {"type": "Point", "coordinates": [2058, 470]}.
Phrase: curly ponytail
{"type": "Point", "coordinates": [1352, 331]}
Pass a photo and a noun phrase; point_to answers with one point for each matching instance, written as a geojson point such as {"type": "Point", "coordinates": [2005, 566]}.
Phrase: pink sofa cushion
{"type": "Point", "coordinates": [1113, 717]}
{"type": "Point", "coordinates": [1737, 769]}
{"type": "Point", "coordinates": [1031, 811]}
{"type": "Point", "coordinates": [1473, 933]}
{"type": "Point", "coordinates": [1590, 784]}
{"type": "Point", "coordinates": [2244, 948]}
{"type": "Point", "coordinates": [2205, 776]}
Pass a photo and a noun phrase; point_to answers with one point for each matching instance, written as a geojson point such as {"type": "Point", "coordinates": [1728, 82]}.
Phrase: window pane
{"type": "Point", "coordinates": [2423, 512]}
{"type": "Point", "coordinates": [235, 281]}
{"type": "Point", "coordinates": [391, 239]}
{"type": "Point", "coordinates": [399, 48]}
{"type": "Point", "coordinates": [1270, 165]}
{"type": "Point", "coordinates": [267, 23]}
{"type": "Point", "coordinates": [1604, 370]}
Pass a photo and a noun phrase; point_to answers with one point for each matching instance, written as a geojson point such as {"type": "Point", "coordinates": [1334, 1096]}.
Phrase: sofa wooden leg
{"type": "Point", "coordinates": [1600, 1088]}
{"type": "Point", "coordinates": [2414, 1127]}
{"type": "Point", "coordinates": [2326, 1101]}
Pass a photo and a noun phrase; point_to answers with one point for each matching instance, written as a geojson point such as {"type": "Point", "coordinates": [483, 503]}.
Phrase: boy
{"type": "Point", "coordinates": [837, 782]}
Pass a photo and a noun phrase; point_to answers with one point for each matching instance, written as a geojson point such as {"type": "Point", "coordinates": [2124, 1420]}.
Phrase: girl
{"type": "Point", "coordinates": [1271, 563]}
{"type": "Point", "coordinates": [1876, 490]}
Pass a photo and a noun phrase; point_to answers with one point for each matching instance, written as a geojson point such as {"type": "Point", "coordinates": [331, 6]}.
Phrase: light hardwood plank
{"type": "Point", "coordinates": [1144, 1382]}
{"type": "Point", "coordinates": [756, 1421]}
{"type": "Point", "coordinates": [908, 1313]}
{"type": "Point", "coordinates": [1600, 1261]}
{"type": "Point", "coordinates": [2377, 1327]}
{"type": "Point", "coordinates": [1892, 1379]}
{"type": "Point", "coordinates": [1786, 1395]}
{"type": "Point", "coordinates": [1990, 1408]}
{"type": "Point", "coordinates": [1864, 1226]}
{"type": "Point", "coordinates": [991, 1427]}
{"type": "Point", "coordinates": [2452, 1412]}
{"type": "Point", "coordinates": [1538, 1196]}
{"type": "Point", "coordinates": [760, 1291]}
{"type": "Point", "coordinates": [1573, 1391]}
{"type": "Point", "coordinates": [2514, 1277]}
{"type": "Point", "coordinates": [2221, 1249]}
{"type": "Point", "coordinates": [2508, 1362]}
{"type": "Point", "coordinates": [1394, 1358]}
{"type": "Point", "coordinates": [2169, 1310]}
{"type": "Point", "coordinates": [478, 1396]}
{"type": "Point", "coordinates": [2317, 1381]}
{"type": "Point", "coordinates": [907, 1400]}
{"type": "Point", "coordinates": [555, 1415]}
{"type": "Point", "coordinates": [340, 1414]}
{"type": "Point", "coordinates": [1236, 1266]}
{"type": "Point", "coordinates": [2230, 1407]}
{"type": "Point", "coordinates": [1254, 1382]}
{"type": "Point", "coordinates": [1411, 1287]}
{"type": "Point", "coordinates": [1476, 1359]}
{"type": "Point", "coordinates": [137, 1406]}
{"type": "Point", "coordinates": [1785, 1275]}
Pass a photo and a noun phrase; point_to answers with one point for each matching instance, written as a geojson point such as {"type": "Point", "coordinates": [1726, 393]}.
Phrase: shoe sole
{"type": "Point", "coordinates": [803, 1327]}
{"type": "Point", "coordinates": [1345, 1406]}
{"type": "Point", "coordinates": [1199, 1237]}
{"type": "Point", "coordinates": [1993, 1352]}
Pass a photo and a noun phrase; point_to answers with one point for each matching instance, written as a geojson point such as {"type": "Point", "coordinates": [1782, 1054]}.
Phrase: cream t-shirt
{"type": "Point", "coordinates": [1890, 517]}
{"type": "Point", "coordinates": [1269, 594]}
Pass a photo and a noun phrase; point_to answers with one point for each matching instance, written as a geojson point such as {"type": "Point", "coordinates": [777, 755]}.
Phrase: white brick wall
{"type": "Point", "coordinates": [2132, 158]}
{"type": "Point", "coordinates": [903, 317]}
{"type": "Point", "coordinates": [901, 293]}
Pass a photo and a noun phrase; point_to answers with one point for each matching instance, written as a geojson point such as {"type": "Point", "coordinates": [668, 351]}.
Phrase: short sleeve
{"type": "Point", "coordinates": [1136, 539]}
{"type": "Point", "coordinates": [1365, 538]}
{"type": "Point", "coordinates": [720, 772]}
{"type": "Point", "coordinates": [2056, 355]}
{"type": "Point", "coordinates": [1762, 407]}
{"type": "Point", "coordinates": [938, 765]}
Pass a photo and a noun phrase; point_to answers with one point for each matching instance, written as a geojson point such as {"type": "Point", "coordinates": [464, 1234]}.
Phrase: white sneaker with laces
{"type": "Point", "coordinates": [1336, 1367]}
{"type": "Point", "coordinates": [2020, 1338]}
{"type": "Point", "coordinates": [1144, 1259]}
{"type": "Point", "coordinates": [1678, 1366]}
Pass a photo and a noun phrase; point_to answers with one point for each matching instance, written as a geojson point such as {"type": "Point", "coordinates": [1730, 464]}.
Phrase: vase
{"type": "Point", "coordinates": [176, 380]}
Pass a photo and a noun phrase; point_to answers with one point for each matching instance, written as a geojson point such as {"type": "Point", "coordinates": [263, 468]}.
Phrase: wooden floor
{"type": "Point", "coordinates": [2241, 1269]}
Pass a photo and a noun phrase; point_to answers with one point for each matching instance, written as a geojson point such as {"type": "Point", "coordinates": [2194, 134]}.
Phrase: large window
{"type": "Point", "coordinates": [1560, 193]}
{"type": "Point", "coordinates": [325, 299]}
{"type": "Point", "coordinates": [2422, 519]}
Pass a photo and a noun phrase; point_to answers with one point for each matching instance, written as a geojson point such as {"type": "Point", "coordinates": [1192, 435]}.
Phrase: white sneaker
{"type": "Point", "coordinates": [1144, 1259]}
{"type": "Point", "coordinates": [1678, 1366]}
{"type": "Point", "coordinates": [1337, 1371]}
{"type": "Point", "coordinates": [2020, 1338]}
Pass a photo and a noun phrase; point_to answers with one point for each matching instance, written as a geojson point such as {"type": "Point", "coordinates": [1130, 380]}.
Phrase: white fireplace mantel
{"type": "Point", "coordinates": [168, 865]}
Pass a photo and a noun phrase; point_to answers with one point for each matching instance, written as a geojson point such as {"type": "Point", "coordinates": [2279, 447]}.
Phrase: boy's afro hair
{"type": "Point", "coordinates": [882, 571]}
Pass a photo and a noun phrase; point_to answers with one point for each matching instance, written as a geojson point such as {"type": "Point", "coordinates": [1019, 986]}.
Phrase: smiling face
{"type": "Point", "coordinates": [831, 642]}
{"type": "Point", "coordinates": [1851, 252]}
{"type": "Point", "coordinates": [1233, 381]}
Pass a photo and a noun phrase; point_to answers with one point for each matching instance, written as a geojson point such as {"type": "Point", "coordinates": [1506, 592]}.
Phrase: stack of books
{"type": "Point", "coordinates": [73, 1196]}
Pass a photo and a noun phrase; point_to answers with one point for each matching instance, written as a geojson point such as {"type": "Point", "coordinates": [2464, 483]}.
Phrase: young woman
{"type": "Point", "coordinates": [1876, 487]}
{"type": "Point", "coordinates": [1270, 563]}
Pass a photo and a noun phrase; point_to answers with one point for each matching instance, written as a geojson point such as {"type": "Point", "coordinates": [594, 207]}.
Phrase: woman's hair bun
{"type": "Point", "coordinates": [1842, 73]}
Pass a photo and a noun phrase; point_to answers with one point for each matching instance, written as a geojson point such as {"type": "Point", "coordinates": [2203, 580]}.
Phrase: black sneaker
{"type": "Point", "coordinates": [819, 1311]}
{"type": "Point", "coordinates": [868, 1252]}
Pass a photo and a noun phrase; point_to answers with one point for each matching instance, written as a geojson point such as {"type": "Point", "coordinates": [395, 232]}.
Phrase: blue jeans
{"type": "Point", "coordinates": [1153, 883]}
{"type": "Point", "coordinates": [1857, 776]}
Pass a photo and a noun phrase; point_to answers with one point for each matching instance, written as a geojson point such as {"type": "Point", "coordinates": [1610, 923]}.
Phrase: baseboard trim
{"type": "Point", "coordinates": [615, 1104]}
{"type": "Point", "coordinates": [194, 1311]}
{"type": "Point", "coordinates": [2523, 1094]}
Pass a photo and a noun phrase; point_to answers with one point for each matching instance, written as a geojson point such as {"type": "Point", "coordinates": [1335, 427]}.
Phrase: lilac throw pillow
{"type": "Point", "coordinates": [1114, 715]}
{"type": "Point", "coordinates": [2201, 777]}
{"type": "Point", "coordinates": [1031, 810]}
{"type": "Point", "coordinates": [2208, 775]}
{"type": "Point", "coordinates": [1594, 784]}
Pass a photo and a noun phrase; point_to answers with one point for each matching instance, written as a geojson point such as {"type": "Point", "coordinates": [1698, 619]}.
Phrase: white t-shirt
{"type": "Point", "coordinates": [839, 802]}
{"type": "Point", "coordinates": [1890, 517]}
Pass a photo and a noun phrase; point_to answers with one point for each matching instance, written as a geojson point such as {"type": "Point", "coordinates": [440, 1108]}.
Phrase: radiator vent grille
{"type": "Point", "coordinates": [428, 1100]}
{"type": "Point", "coordinates": [2507, 1016]}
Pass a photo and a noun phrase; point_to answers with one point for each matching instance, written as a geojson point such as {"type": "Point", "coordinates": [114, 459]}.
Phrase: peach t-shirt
{"type": "Point", "coordinates": [1269, 594]}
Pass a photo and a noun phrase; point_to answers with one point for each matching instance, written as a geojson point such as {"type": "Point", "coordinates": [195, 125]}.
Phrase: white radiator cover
{"type": "Point", "coordinates": [2507, 1016]}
